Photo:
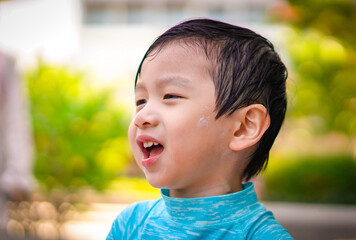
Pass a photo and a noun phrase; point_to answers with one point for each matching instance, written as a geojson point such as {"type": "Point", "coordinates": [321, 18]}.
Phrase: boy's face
{"type": "Point", "coordinates": [175, 138]}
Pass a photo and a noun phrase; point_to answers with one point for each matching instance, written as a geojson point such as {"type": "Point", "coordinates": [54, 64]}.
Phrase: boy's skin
{"type": "Point", "coordinates": [198, 155]}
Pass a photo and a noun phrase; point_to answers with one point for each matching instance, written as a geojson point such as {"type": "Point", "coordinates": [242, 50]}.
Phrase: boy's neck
{"type": "Point", "coordinates": [206, 192]}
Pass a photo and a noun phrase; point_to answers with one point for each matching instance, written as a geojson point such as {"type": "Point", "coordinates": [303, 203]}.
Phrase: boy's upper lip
{"type": "Point", "coordinates": [140, 139]}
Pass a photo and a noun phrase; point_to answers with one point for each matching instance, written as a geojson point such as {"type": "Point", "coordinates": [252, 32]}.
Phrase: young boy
{"type": "Point", "coordinates": [210, 101]}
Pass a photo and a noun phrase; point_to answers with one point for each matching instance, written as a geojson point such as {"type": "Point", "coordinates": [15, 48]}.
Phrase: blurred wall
{"type": "Point", "coordinates": [47, 28]}
{"type": "Point", "coordinates": [108, 37]}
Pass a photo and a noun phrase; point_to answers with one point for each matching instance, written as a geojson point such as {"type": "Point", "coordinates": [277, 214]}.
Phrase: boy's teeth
{"type": "Point", "coordinates": [147, 144]}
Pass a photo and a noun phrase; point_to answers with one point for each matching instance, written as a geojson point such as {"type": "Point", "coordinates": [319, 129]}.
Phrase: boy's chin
{"type": "Point", "coordinates": [156, 183]}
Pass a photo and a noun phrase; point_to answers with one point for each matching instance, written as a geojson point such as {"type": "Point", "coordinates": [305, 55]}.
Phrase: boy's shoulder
{"type": "Point", "coordinates": [261, 224]}
{"type": "Point", "coordinates": [133, 215]}
{"type": "Point", "coordinates": [129, 219]}
{"type": "Point", "coordinates": [138, 210]}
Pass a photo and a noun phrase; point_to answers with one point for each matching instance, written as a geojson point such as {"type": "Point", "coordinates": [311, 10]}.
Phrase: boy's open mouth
{"type": "Point", "coordinates": [150, 149]}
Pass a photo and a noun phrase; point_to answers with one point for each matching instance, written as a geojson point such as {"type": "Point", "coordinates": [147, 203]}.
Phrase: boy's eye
{"type": "Point", "coordinates": [140, 102]}
{"type": "Point", "coordinates": [171, 96]}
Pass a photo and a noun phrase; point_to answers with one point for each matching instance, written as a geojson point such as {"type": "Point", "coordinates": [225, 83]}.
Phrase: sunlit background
{"type": "Point", "coordinates": [77, 60]}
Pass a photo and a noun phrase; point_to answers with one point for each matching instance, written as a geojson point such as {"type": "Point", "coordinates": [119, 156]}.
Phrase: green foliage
{"type": "Point", "coordinates": [80, 134]}
{"type": "Point", "coordinates": [325, 83]}
{"type": "Point", "coordinates": [321, 45]}
{"type": "Point", "coordinates": [331, 17]}
{"type": "Point", "coordinates": [312, 179]}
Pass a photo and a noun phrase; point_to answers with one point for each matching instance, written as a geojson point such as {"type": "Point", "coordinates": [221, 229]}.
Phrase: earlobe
{"type": "Point", "coordinates": [251, 123]}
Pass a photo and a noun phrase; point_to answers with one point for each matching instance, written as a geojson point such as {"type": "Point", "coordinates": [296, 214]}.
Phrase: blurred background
{"type": "Point", "coordinates": [67, 72]}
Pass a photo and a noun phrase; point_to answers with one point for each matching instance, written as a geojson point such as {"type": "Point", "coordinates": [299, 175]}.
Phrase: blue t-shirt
{"type": "Point", "coordinates": [232, 216]}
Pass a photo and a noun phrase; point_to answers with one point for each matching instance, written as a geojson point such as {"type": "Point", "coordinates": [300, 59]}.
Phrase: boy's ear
{"type": "Point", "coordinates": [251, 123]}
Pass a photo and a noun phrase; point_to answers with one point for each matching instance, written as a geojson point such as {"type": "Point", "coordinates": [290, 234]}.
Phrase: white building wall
{"type": "Point", "coordinates": [58, 32]}
{"type": "Point", "coordinates": [46, 28]}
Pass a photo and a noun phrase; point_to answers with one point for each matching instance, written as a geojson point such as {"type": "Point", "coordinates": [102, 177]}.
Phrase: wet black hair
{"type": "Point", "coordinates": [246, 70]}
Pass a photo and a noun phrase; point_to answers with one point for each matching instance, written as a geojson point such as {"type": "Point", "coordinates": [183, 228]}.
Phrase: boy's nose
{"type": "Point", "coordinates": [146, 117]}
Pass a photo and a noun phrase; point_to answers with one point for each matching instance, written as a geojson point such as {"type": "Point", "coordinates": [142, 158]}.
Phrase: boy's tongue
{"type": "Point", "coordinates": [156, 150]}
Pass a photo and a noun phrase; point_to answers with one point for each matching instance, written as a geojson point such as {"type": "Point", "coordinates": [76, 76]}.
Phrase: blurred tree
{"type": "Point", "coordinates": [329, 179]}
{"type": "Point", "coordinates": [331, 17]}
{"type": "Point", "coordinates": [322, 48]}
{"type": "Point", "coordinates": [80, 134]}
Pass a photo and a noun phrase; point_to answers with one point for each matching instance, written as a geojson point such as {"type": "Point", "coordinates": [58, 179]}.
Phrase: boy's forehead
{"type": "Point", "coordinates": [184, 47]}
{"type": "Point", "coordinates": [176, 64]}
{"type": "Point", "coordinates": [178, 51]}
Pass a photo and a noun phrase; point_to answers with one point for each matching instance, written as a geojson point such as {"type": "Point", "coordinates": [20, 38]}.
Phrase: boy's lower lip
{"type": "Point", "coordinates": [146, 162]}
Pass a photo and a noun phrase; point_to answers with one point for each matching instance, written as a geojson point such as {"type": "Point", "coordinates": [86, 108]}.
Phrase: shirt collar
{"type": "Point", "coordinates": [210, 210]}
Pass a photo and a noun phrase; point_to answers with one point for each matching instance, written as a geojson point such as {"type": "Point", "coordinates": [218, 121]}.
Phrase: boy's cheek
{"type": "Point", "coordinates": [132, 135]}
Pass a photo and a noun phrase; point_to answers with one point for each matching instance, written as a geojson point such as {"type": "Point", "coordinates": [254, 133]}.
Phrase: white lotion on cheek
{"type": "Point", "coordinates": [203, 122]}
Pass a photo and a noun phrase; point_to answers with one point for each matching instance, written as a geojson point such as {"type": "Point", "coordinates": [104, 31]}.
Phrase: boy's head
{"type": "Point", "coordinates": [244, 71]}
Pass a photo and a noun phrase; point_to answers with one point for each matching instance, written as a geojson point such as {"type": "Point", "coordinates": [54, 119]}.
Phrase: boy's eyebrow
{"type": "Point", "coordinates": [174, 80]}
{"type": "Point", "coordinates": [177, 80]}
{"type": "Point", "coordinates": [139, 86]}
